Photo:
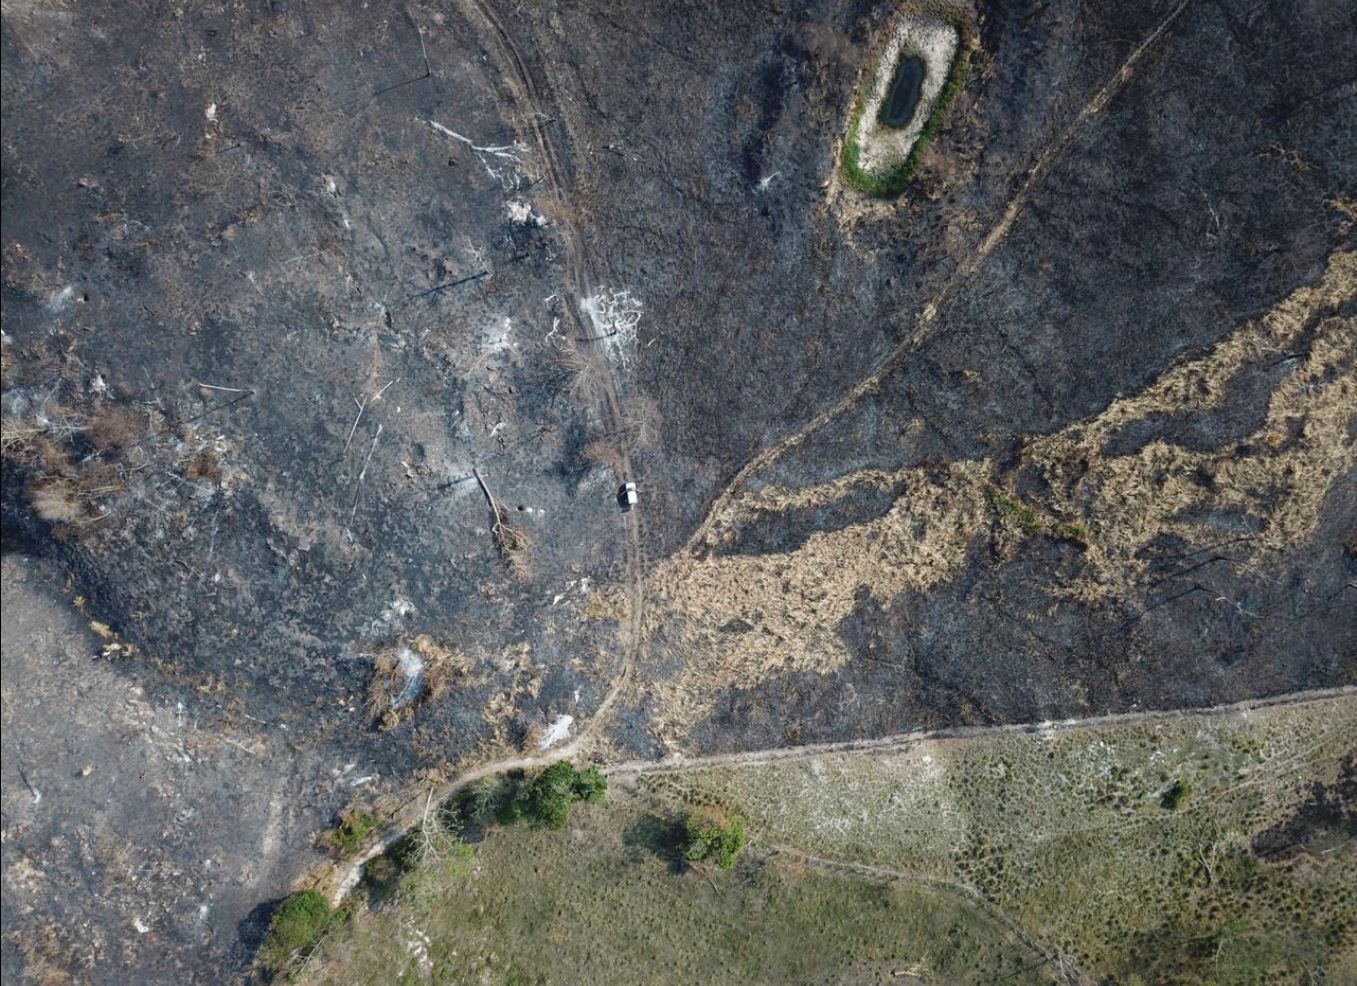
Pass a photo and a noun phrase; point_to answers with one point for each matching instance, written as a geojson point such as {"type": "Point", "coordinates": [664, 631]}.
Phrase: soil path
{"type": "Point", "coordinates": [902, 741]}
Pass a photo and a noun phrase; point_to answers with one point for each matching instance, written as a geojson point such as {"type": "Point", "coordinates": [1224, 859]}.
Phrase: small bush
{"type": "Point", "coordinates": [348, 836]}
{"type": "Point", "coordinates": [1174, 797]}
{"type": "Point", "coordinates": [709, 835]}
{"type": "Point", "coordinates": [297, 926]}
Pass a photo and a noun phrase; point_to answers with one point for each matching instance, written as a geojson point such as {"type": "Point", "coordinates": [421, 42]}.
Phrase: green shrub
{"type": "Point", "coordinates": [1172, 799]}
{"type": "Point", "coordinates": [348, 836]}
{"type": "Point", "coordinates": [543, 799]}
{"type": "Point", "coordinates": [709, 835]}
{"type": "Point", "coordinates": [297, 926]}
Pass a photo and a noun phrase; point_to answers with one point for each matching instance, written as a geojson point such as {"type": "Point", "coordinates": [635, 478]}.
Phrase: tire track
{"type": "Point", "coordinates": [580, 283]}
{"type": "Point", "coordinates": [903, 741]}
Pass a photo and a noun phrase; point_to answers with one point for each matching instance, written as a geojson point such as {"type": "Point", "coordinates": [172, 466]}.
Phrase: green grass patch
{"type": "Point", "coordinates": [896, 180]}
{"type": "Point", "coordinates": [1128, 846]}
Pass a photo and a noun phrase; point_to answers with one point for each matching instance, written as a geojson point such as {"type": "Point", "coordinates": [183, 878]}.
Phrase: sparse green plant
{"type": "Point", "coordinates": [1024, 515]}
{"type": "Point", "coordinates": [1074, 533]}
{"type": "Point", "coordinates": [347, 837]}
{"type": "Point", "coordinates": [297, 926]}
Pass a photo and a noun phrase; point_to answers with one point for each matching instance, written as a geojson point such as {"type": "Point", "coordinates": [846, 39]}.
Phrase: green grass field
{"type": "Point", "coordinates": [1128, 849]}
{"type": "Point", "coordinates": [1117, 854]}
{"type": "Point", "coordinates": [605, 902]}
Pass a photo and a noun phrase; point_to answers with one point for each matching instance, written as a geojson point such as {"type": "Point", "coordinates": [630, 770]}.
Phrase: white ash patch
{"type": "Point", "coordinates": [417, 944]}
{"type": "Point", "coordinates": [502, 162]}
{"type": "Point", "coordinates": [497, 336]}
{"type": "Point", "coordinates": [392, 618]}
{"type": "Point", "coordinates": [410, 667]}
{"type": "Point", "coordinates": [556, 732]}
{"type": "Point", "coordinates": [520, 213]}
{"type": "Point", "coordinates": [932, 38]}
{"type": "Point", "coordinates": [614, 315]}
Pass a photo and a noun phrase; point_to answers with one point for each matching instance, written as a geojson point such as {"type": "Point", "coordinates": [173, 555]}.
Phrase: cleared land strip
{"type": "Point", "coordinates": [888, 744]}
{"type": "Point", "coordinates": [963, 273]}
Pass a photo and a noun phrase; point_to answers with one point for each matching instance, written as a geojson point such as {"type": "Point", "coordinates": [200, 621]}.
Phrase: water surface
{"type": "Point", "coordinates": [897, 109]}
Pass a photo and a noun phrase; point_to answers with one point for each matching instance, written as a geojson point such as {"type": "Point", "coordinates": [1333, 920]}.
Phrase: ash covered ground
{"type": "Point", "coordinates": [1067, 428]}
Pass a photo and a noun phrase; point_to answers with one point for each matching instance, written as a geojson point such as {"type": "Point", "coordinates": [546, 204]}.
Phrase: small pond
{"type": "Point", "coordinates": [897, 109]}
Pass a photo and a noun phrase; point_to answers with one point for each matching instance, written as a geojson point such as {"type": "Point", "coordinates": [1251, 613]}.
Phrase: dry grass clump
{"type": "Point", "coordinates": [81, 458]}
{"type": "Point", "coordinates": [43, 441]}
{"type": "Point", "coordinates": [115, 426]}
{"type": "Point", "coordinates": [114, 646]}
{"type": "Point", "coordinates": [408, 675]}
{"type": "Point", "coordinates": [57, 501]}
{"type": "Point", "coordinates": [69, 456]}
{"type": "Point", "coordinates": [582, 372]}
{"type": "Point", "coordinates": [204, 467]}
{"type": "Point", "coordinates": [511, 541]}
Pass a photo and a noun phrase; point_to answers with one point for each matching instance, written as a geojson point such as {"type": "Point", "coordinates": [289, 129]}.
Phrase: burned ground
{"type": "Point", "coordinates": [275, 286]}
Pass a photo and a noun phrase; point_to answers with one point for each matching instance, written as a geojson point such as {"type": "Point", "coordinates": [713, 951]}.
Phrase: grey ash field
{"type": "Point", "coordinates": [331, 331]}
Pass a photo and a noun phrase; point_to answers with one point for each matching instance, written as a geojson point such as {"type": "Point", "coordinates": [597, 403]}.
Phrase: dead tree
{"type": "Point", "coordinates": [508, 539]}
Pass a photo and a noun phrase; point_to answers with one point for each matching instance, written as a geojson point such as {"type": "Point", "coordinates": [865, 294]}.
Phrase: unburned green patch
{"type": "Point", "coordinates": [1127, 847]}
{"type": "Point", "coordinates": [604, 903]}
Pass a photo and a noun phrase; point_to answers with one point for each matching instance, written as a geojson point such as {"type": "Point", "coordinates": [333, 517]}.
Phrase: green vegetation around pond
{"type": "Point", "coordinates": [894, 179]}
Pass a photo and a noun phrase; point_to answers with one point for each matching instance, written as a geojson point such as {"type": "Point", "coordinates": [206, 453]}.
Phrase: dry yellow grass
{"type": "Point", "coordinates": [392, 697]}
{"type": "Point", "coordinates": [787, 607]}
